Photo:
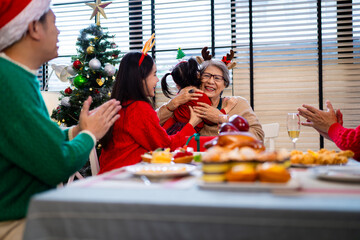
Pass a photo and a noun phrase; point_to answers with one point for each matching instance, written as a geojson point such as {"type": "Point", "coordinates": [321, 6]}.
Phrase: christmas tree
{"type": "Point", "coordinates": [93, 73]}
{"type": "Point", "coordinates": [180, 54]}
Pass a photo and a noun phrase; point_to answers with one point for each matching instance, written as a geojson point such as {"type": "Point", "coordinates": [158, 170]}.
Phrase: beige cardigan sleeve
{"type": "Point", "coordinates": [243, 109]}
{"type": "Point", "coordinates": [163, 113]}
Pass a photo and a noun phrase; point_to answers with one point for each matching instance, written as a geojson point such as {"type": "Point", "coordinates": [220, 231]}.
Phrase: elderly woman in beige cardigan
{"type": "Point", "coordinates": [214, 78]}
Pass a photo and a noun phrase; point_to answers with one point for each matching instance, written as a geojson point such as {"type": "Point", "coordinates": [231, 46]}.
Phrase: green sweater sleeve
{"type": "Point", "coordinates": [30, 140]}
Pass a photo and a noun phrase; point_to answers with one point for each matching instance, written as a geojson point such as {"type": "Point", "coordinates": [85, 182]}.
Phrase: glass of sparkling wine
{"type": "Point", "coordinates": [293, 127]}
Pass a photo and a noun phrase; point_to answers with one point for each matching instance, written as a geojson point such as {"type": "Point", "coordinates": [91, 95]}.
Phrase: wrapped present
{"type": "Point", "coordinates": [197, 142]}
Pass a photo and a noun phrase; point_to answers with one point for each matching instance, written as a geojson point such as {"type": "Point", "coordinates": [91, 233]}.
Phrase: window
{"type": "Point", "coordinates": [288, 52]}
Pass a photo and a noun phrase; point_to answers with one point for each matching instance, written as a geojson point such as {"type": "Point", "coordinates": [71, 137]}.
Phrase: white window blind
{"type": "Point", "coordinates": [288, 52]}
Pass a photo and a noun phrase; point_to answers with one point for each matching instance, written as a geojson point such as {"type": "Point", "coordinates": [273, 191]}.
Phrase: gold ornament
{"type": "Point", "coordinates": [59, 123]}
{"type": "Point", "coordinates": [109, 94]}
{"type": "Point", "coordinates": [100, 81]}
{"type": "Point", "coordinates": [98, 8]}
{"type": "Point", "coordinates": [90, 89]}
{"type": "Point", "coordinates": [90, 50]}
{"type": "Point", "coordinates": [113, 77]}
{"type": "Point", "coordinates": [63, 120]}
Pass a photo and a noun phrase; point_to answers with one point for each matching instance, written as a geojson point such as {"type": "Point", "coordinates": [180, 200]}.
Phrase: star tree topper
{"type": "Point", "coordinates": [98, 8]}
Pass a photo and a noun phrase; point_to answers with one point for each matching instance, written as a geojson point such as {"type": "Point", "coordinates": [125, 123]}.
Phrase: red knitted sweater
{"type": "Point", "coordinates": [345, 138]}
{"type": "Point", "coordinates": [136, 132]}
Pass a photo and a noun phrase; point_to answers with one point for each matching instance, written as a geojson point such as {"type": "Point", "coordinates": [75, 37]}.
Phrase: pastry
{"type": "Point", "coordinates": [273, 173]}
{"type": "Point", "coordinates": [241, 173]}
{"type": "Point", "coordinates": [146, 157]}
{"type": "Point", "coordinates": [181, 155]}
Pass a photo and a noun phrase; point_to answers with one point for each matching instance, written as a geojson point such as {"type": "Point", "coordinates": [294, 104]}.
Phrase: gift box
{"type": "Point", "coordinates": [197, 142]}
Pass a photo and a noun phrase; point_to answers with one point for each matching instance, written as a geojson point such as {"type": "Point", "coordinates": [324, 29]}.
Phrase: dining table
{"type": "Point", "coordinates": [124, 205]}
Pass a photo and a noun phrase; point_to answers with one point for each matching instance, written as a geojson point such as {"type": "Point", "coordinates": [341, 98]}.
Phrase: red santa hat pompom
{"type": "Point", "coordinates": [15, 16]}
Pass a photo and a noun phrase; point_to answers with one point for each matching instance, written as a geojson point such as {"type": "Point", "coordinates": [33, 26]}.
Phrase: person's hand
{"type": "Point", "coordinates": [194, 118]}
{"type": "Point", "coordinates": [320, 120]}
{"type": "Point", "coordinates": [99, 120]}
{"type": "Point", "coordinates": [230, 104]}
{"type": "Point", "coordinates": [205, 111]}
{"type": "Point", "coordinates": [339, 117]}
{"type": "Point", "coordinates": [185, 95]}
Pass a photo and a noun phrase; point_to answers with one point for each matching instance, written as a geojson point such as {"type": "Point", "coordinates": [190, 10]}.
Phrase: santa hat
{"type": "Point", "coordinates": [15, 16]}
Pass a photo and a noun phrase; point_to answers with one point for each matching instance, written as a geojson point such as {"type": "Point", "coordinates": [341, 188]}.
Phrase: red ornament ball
{"type": "Point", "coordinates": [96, 91]}
{"type": "Point", "coordinates": [77, 64]}
{"type": "Point", "coordinates": [68, 91]}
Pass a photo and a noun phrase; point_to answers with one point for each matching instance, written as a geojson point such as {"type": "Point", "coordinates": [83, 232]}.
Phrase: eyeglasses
{"type": "Point", "coordinates": [217, 78]}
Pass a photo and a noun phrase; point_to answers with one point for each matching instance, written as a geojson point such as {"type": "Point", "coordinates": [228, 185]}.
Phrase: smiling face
{"type": "Point", "coordinates": [211, 87]}
{"type": "Point", "coordinates": [150, 82]}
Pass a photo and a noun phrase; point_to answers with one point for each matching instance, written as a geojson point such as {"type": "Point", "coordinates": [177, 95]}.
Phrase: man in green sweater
{"type": "Point", "coordinates": [35, 154]}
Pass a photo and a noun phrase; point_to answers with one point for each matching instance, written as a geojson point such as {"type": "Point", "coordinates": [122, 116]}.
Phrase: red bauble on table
{"type": "Point", "coordinates": [228, 127]}
{"type": "Point", "coordinates": [77, 64]}
{"type": "Point", "coordinates": [239, 122]}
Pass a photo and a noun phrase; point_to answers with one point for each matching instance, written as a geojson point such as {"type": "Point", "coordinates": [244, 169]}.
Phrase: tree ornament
{"type": "Point", "coordinates": [114, 56]}
{"type": "Point", "coordinates": [100, 81]}
{"type": "Point", "coordinates": [96, 91]}
{"type": "Point", "coordinates": [180, 54]}
{"type": "Point", "coordinates": [79, 81]}
{"type": "Point", "coordinates": [68, 91]}
{"type": "Point", "coordinates": [109, 69]}
{"type": "Point", "coordinates": [90, 50]}
{"type": "Point", "coordinates": [98, 8]}
{"type": "Point", "coordinates": [90, 89]}
{"type": "Point", "coordinates": [95, 64]}
{"type": "Point", "coordinates": [113, 45]}
{"type": "Point", "coordinates": [70, 70]}
{"type": "Point", "coordinates": [77, 64]}
{"type": "Point", "coordinates": [65, 101]}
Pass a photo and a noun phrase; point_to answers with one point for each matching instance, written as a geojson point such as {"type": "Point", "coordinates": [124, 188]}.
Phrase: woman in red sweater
{"type": "Point", "coordinates": [329, 125]}
{"type": "Point", "coordinates": [138, 130]}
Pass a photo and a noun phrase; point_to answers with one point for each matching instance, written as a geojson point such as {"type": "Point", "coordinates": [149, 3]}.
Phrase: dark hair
{"type": "Point", "coordinates": [184, 74]}
{"type": "Point", "coordinates": [129, 83]}
{"type": "Point", "coordinates": [43, 17]}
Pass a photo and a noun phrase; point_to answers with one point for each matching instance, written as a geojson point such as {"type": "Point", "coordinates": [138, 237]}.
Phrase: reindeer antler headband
{"type": "Point", "coordinates": [226, 59]}
{"type": "Point", "coordinates": [147, 46]}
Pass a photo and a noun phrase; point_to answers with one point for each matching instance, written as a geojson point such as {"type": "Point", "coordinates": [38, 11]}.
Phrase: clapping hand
{"type": "Point", "coordinates": [99, 120]}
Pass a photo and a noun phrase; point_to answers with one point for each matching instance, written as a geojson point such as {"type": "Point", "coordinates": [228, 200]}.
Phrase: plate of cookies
{"type": "Point", "coordinates": [323, 157]}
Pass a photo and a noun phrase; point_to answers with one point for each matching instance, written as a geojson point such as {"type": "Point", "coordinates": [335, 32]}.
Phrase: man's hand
{"type": "Point", "coordinates": [99, 120]}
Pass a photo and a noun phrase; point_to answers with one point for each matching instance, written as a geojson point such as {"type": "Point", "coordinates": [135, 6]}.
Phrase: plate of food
{"type": "Point", "coordinates": [338, 173]}
{"type": "Point", "coordinates": [323, 157]}
{"type": "Point", "coordinates": [180, 155]}
{"type": "Point", "coordinates": [161, 170]}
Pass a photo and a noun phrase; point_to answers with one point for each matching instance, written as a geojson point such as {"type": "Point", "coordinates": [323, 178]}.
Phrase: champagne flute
{"type": "Point", "coordinates": [293, 127]}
